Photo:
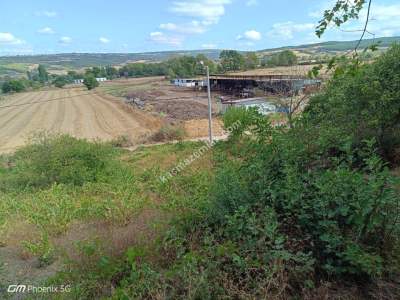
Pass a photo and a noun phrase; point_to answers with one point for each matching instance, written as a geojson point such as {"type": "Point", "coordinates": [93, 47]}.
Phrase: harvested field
{"type": "Point", "coordinates": [74, 111]}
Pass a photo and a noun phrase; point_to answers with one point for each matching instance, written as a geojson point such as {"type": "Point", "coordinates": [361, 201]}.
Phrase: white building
{"type": "Point", "coordinates": [78, 81]}
{"type": "Point", "coordinates": [189, 82]}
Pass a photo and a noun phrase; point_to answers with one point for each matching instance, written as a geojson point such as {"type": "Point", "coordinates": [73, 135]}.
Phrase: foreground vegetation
{"type": "Point", "coordinates": [306, 212]}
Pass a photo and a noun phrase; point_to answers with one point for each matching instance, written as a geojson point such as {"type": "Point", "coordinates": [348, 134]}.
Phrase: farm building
{"type": "Point", "coordinates": [189, 82]}
{"type": "Point", "coordinates": [243, 85]}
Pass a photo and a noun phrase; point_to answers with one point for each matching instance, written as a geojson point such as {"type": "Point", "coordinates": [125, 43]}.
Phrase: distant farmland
{"type": "Point", "coordinates": [18, 65]}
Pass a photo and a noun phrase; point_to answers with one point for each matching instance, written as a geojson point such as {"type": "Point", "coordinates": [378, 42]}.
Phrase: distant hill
{"type": "Point", "coordinates": [82, 60]}
{"type": "Point", "coordinates": [60, 63]}
{"type": "Point", "coordinates": [335, 46]}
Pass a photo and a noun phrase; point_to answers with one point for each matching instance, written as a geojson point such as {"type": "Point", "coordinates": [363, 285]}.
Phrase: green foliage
{"type": "Point", "coordinates": [251, 61]}
{"type": "Point", "coordinates": [55, 159]}
{"type": "Point", "coordinates": [283, 58]}
{"type": "Point", "coordinates": [361, 102]}
{"type": "Point", "coordinates": [240, 121]}
{"type": "Point", "coordinates": [231, 60]}
{"type": "Point", "coordinates": [142, 69]}
{"type": "Point", "coordinates": [182, 66]}
{"type": "Point", "coordinates": [41, 249]}
{"type": "Point", "coordinates": [90, 81]}
{"type": "Point", "coordinates": [14, 85]}
{"type": "Point", "coordinates": [61, 81]}
{"type": "Point", "coordinates": [43, 76]}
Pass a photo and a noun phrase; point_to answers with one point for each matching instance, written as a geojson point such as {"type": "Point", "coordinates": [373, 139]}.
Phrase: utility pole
{"type": "Point", "coordinates": [209, 106]}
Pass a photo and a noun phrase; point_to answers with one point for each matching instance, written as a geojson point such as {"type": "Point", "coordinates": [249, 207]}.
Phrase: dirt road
{"type": "Point", "coordinates": [75, 111]}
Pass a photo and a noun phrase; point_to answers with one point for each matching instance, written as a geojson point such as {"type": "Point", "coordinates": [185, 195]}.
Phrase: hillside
{"type": "Point", "coordinates": [17, 65]}
{"type": "Point", "coordinates": [337, 46]}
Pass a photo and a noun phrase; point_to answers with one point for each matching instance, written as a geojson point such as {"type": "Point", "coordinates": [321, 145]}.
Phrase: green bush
{"type": "Point", "coordinates": [362, 103]}
{"type": "Point", "coordinates": [14, 85]}
{"type": "Point", "coordinates": [90, 82]}
{"type": "Point", "coordinates": [56, 159]}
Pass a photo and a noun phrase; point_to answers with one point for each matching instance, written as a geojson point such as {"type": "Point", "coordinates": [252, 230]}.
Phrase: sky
{"type": "Point", "coordinates": [49, 26]}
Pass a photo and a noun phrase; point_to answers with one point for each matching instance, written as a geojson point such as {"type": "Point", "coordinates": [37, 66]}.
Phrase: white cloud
{"type": "Point", "coordinates": [65, 40]}
{"type": "Point", "coordinates": [384, 20]}
{"type": "Point", "coordinates": [252, 3]}
{"type": "Point", "coordinates": [46, 30]}
{"type": "Point", "coordinates": [204, 13]}
{"type": "Point", "coordinates": [169, 26]}
{"type": "Point", "coordinates": [287, 30]}
{"type": "Point", "coordinates": [209, 46]}
{"type": "Point", "coordinates": [46, 13]}
{"type": "Point", "coordinates": [161, 38]}
{"type": "Point", "coordinates": [250, 35]}
{"type": "Point", "coordinates": [7, 38]}
{"type": "Point", "coordinates": [209, 11]}
{"type": "Point", "coordinates": [194, 27]}
{"type": "Point", "coordinates": [104, 40]}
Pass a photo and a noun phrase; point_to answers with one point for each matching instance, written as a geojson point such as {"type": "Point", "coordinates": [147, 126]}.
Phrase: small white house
{"type": "Point", "coordinates": [78, 81]}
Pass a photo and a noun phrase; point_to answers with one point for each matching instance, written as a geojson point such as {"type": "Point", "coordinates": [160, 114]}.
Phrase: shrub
{"type": "Point", "coordinates": [169, 133]}
{"type": "Point", "coordinates": [56, 159]}
{"type": "Point", "coordinates": [122, 141]}
{"type": "Point", "coordinates": [61, 80]}
{"type": "Point", "coordinates": [90, 82]}
{"type": "Point", "coordinates": [13, 85]}
{"type": "Point", "coordinates": [362, 103]}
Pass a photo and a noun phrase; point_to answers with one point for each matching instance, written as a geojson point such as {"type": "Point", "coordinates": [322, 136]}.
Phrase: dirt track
{"type": "Point", "coordinates": [75, 111]}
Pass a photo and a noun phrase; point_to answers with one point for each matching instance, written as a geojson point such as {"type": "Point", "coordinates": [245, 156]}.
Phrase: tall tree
{"type": "Point", "coordinates": [231, 60]}
{"type": "Point", "coordinates": [43, 75]}
{"type": "Point", "coordinates": [251, 60]}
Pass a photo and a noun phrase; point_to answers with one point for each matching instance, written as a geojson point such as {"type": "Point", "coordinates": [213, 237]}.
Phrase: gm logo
{"type": "Point", "coordinates": [14, 288]}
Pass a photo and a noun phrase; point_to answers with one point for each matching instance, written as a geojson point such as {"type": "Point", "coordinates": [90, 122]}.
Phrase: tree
{"type": "Point", "coordinates": [231, 60]}
{"type": "Point", "coordinates": [43, 75]}
{"type": "Point", "coordinates": [74, 75]}
{"type": "Point", "coordinates": [111, 72]}
{"type": "Point", "coordinates": [283, 58]}
{"type": "Point", "coordinates": [90, 82]}
{"type": "Point", "coordinates": [293, 99]}
{"type": "Point", "coordinates": [60, 81]}
{"type": "Point", "coordinates": [13, 85]}
{"type": "Point", "coordinates": [251, 61]}
{"type": "Point", "coordinates": [207, 62]}
{"type": "Point", "coordinates": [363, 103]}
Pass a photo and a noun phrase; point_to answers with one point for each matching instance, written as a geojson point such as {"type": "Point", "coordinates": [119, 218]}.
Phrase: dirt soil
{"type": "Point", "coordinates": [199, 128]}
{"type": "Point", "coordinates": [163, 98]}
{"type": "Point", "coordinates": [74, 111]}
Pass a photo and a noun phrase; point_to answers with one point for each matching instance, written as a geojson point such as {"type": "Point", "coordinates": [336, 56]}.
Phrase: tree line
{"type": "Point", "coordinates": [176, 67]}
